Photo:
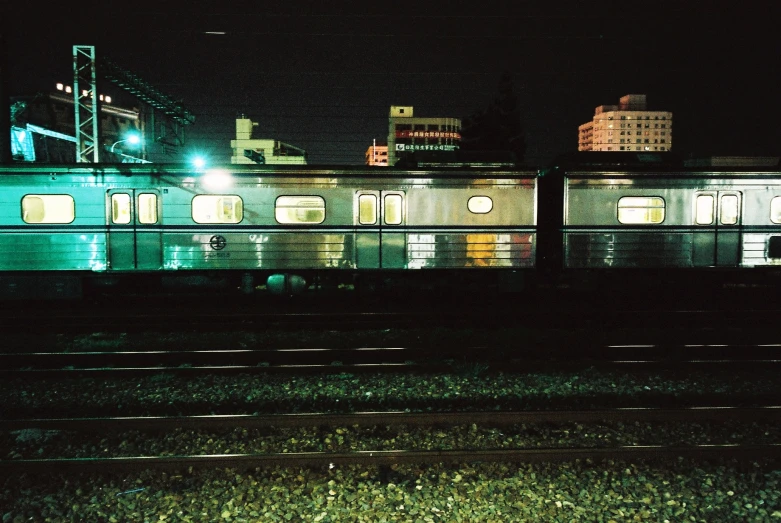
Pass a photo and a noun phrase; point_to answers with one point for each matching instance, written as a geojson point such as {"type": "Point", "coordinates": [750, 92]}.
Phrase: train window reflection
{"type": "Point", "coordinates": [300, 209]}
{"type": "Point", "coordinates": [367, 209]}
{"type": "Point", "coordinates": [147, 208]}
{"type": "Point", "coordinates": [641, 209]}
{"type": "Point", "coordinates": [480, 204]}
{"type": "Point", "coordinates": [728, 211]}
{"type": "Point", "coordinates": [48, 208]}
{"type": "Point", "coordinates": [704, 209]}
{"type": "Point", "coordinates": [120, 208]}
{"type": "Point", "coordinates": [217, 208]}
{"type": "Point", "coordinates": [393, 209]}
{"type": "Point", "coordinates": [775, 210]}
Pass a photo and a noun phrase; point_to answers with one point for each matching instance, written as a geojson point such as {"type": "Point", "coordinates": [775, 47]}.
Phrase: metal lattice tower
{"type": "Point", "coordinates": [86, 99]}
{"type": "Point", "coordinates": [85, 102]}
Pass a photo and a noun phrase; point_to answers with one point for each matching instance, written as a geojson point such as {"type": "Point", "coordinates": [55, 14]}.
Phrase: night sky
{"type": "Point", "coordinates": [322, 75]}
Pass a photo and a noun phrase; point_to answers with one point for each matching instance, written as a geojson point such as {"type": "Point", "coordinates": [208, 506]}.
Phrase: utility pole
{"type": "Point", "coordinates": [85, 104]}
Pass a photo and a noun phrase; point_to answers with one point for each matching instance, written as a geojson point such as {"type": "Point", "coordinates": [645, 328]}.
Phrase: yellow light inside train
{"type": "Point", "coordinates": [217, 179]}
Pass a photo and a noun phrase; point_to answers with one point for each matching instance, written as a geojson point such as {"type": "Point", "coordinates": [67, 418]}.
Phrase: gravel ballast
{"type": "Point", "coordinates": [606, 492]}
{"type": "Point", "coordinates": [672, 490]}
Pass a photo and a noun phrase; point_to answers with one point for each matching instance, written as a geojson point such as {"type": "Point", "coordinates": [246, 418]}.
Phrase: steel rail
{"type": "Point", "coordinates": [507, 367]}
{"type": "Point", "coordinates": [534, 351]}
{"type": "Point", "coordinates": [624, 414]}
{"type": "Point", "coordinates": [387, 457]}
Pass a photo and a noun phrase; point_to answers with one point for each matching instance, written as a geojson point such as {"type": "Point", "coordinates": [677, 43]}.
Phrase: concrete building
{"type": "Point", "coordinates": [249, 150]}
{"type": "Point", "coordinates": [43, 129]}
{"type": "Point", "coordinates": [628, 126]}
{"type": "Point", "coordinates": [377, 154]}
{"type": "Point", "coordinates": [407, 133]}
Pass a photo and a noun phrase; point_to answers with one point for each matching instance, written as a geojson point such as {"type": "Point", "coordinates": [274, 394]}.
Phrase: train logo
{"type": "Point", "coordinates": [218, 242]}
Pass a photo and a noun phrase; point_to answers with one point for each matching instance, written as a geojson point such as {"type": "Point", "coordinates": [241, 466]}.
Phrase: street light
{"type": "Point", "coordinates": [133, 139]}
{"type": "Point", "coordinates": [199, 162]}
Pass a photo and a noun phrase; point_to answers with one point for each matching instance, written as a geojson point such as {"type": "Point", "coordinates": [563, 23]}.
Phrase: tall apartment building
{"type": "Point", "coordinates": [407, 133]}
{"type": "Point", "coordinates": [628, 126]}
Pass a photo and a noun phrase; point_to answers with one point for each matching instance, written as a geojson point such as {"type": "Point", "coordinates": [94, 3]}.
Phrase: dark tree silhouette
{"type": "Point", "coordinates": [498, 128]}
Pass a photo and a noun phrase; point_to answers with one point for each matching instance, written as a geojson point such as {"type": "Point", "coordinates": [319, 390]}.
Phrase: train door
{"type": "Point", "coordinates": [134, 236]}
{"type": "Point", "coordinates": [379, 220]}
{"type": "Point", "coordinates": [719, 213]}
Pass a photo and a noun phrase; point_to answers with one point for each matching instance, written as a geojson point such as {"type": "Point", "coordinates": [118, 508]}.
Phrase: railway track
{"type": "Point", "coordinates": [378, 458]}
{"type": "Point", "coordinates": [631, 358]}
{"type": "Point", "coordinates": [329, 424]}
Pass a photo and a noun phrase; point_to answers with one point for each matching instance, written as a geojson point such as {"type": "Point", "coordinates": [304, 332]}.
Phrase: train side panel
{"type": "Point", "coordinates": [252, 238]}
{"type": "Point", "coordinates": [761, 231]}
{"type": "Point", "coordinates": [595, 237]}
{"type": "Point", "coordinates": [436, 224]}
{"type": "Point", "coordinates": [51, 227]}
{"type": "Point", "coordinates": [53, 235]}
{"type": "Point", "coordinates": [484, 223]}
{"type": "Point", "coordinates": [669, 221]}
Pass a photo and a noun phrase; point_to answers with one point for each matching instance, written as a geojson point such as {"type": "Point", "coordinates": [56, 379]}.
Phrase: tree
{"type": "Point", "coordinates": [497, 128]}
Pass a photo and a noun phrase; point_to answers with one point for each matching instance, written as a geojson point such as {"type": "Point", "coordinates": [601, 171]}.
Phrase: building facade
{"type": "Point", "coordinates": [408, 134]}
{"type": "Point", "coordinates": [43, 129]}
{"type": "Point", "coordinates": [628, 126]}
{"type": "Point", "coordinates": [267, 151]}
{"type": "Point", "coordinates": [377, 155]}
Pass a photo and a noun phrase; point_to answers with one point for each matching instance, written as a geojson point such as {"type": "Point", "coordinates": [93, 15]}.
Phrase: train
{"type": "Point", "coordinates": [587, 221]}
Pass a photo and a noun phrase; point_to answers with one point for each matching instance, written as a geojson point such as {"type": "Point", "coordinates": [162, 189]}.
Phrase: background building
{"type": "Point", "coordinates": [407, 134]}
{"type": "Point", "coordinates": [377, 154]}
{"type": "Point", "coordinates": [43, 129]}
{"type": "Point", "coordinates": [249, 150]}
{"type": "Point", "coordinates": [628, 126]}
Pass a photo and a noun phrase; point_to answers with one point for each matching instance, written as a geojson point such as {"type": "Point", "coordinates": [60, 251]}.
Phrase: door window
{"type": "Point", "coordinates": [120, 208]}
{"type": "Point", "coordinates": [393, 209]}
{"type": "Point", "coordinates": [728, 211]}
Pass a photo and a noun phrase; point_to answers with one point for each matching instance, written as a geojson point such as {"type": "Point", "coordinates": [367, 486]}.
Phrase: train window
{"type": "Point", "coordinates": [120, 208]}
{"type": "Point", "coordinates": [147, 208]}
{"type": "Point", "coordinates": [480, 204]}
{"type": "Point", "coordinates": [48, 208]}
{"type": "Point", "coordinates": [775, 210]}
{"type": "Point", "coordinates": [641, 209]}
{"type": "Point", "coordinates": [728, 210]}
{"type": "Point", "coordinates": [300, 209]}
{"type": "Point", "coordinates": [367, 209]}
{"type": "Point", "coordinates": [217, 208]}
{"type": "Point", "coordinates": [393, 209]}
{"type": "Point", "coordinates": [704, 209]}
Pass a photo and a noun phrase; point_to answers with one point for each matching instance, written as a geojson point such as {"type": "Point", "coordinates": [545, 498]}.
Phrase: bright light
{"type": "Point", "coordinates": [198, 162]}
{"type": "Point", "coordinates": [132, 138]}
{"type": "Point", "coordinates": [217, 179]}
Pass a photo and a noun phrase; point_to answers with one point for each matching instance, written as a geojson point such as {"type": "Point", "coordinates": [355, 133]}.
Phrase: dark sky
{"type": "Point", "coordinates": [322, 75]}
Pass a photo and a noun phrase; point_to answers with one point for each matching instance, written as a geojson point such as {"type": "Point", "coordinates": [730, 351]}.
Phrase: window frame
{"type": "Point", "coordinates": [652, 204]}
{"type": "Point", "coordinates": [219, 216]}
{"type": "Point", "coordinates": [297, 204]}
{"type": "Point", "coordinates": [65, 200]}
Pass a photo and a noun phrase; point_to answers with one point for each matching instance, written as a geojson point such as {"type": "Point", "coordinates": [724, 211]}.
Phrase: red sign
{"type": "Point", "coordinates": [428, 134]}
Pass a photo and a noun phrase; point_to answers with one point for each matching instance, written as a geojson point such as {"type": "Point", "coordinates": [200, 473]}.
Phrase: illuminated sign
{"type": "Point", "coordinates": [429, 134]}
{"type": "Point", "coordinates": [425, 147]}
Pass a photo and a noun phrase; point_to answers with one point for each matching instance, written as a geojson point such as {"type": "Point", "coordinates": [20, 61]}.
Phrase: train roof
{"type": "Point", "coordinates": [663, 163]}
{"type": "Point", "coordinates": [328, 171]}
